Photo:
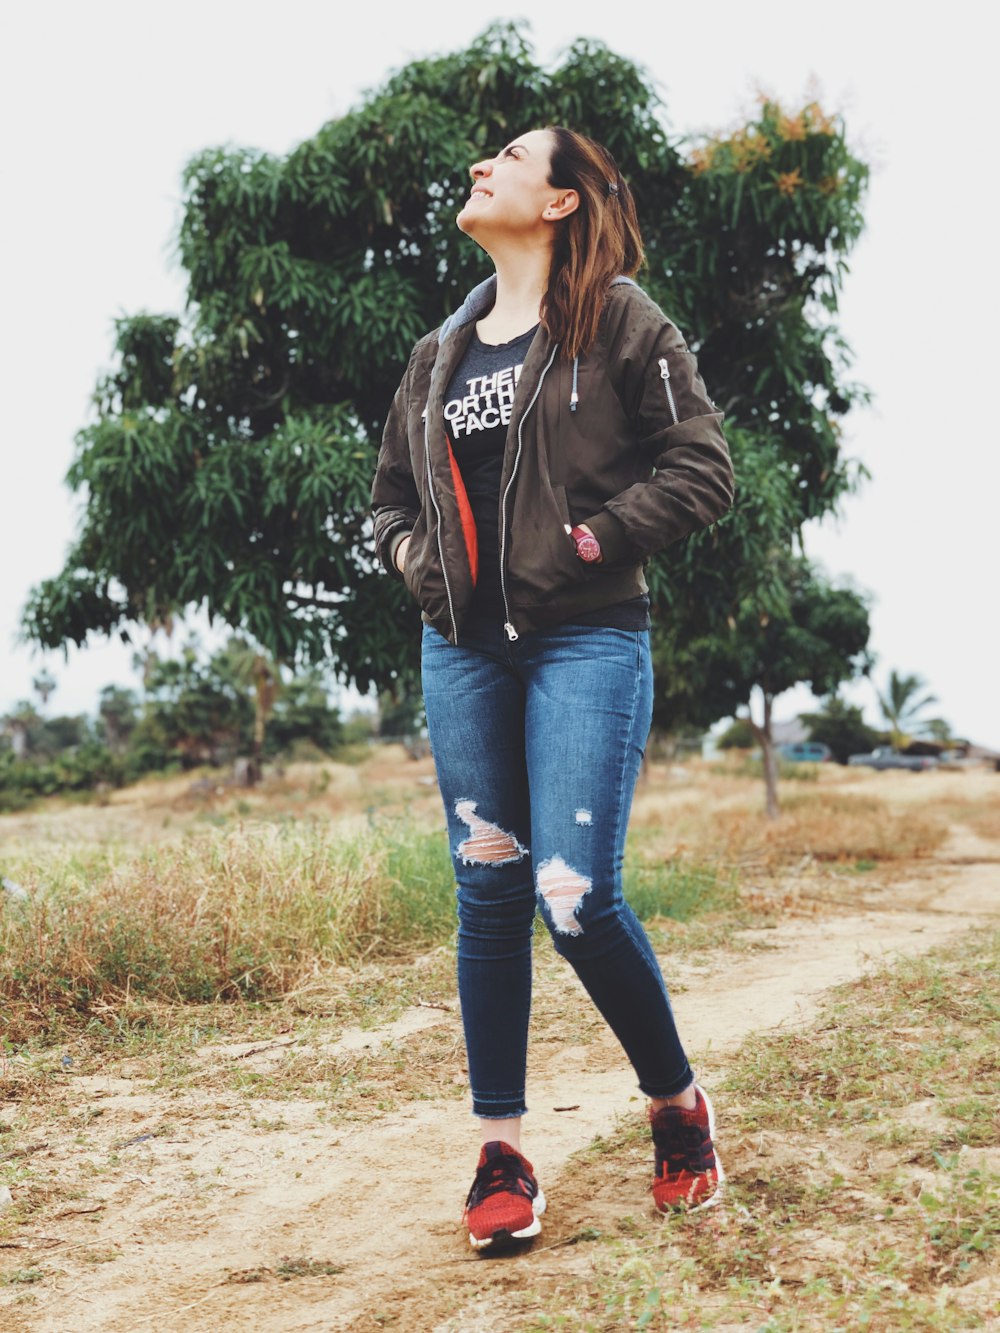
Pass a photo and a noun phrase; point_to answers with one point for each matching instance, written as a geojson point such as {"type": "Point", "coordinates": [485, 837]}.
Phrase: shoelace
{"type": "Point", "coordinates": [682, 1147]}
{"type": "Point", "coordinates": [504, 1176]}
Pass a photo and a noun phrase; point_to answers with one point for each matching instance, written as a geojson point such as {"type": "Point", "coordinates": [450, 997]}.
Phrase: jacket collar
{"type": "Point", "coordinates": [481, 299]}
{"type": "Point", "coordinates": [478, 301]}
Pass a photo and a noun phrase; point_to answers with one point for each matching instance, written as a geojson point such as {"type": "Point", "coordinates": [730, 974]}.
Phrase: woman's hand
{"type": "Point", "coordinates": [401, 550]}
{"type": "Point", "coordinates": [588, 548]}
{"type": "Point", "coordinates": [590, 533]}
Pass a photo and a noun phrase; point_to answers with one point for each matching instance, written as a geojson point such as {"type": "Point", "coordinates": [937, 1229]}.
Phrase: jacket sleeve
{"type": "Point", "coordinates": [395, 498]}
{"type": "Point", "coordinates": [679, 433]}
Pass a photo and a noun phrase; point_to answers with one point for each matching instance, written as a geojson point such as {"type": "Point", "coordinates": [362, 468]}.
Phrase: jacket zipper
{"type": "Point", "coordinates": [437, 511]}
{"type": "Point", "coordinates": [665, 376]}
{"type": "Point", "coordinates": [509, 629]}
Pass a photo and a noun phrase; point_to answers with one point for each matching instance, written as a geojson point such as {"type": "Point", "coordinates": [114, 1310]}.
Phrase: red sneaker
{"type": "Point", "coordinates": [689, 1176]}
{"type": "Point", "coordinates": [505, 1202]}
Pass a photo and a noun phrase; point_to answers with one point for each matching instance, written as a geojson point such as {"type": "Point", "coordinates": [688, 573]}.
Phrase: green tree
{"type": "Point", "coordinates": [30, 735]}
{"type": "Point", "coordinates": [234, 701]}
{"type": "Point", "coordinates": [303, 712]}
{"type": "Point", "coordinates": [251, 669]}
{"type": "Point", "coordinates": [902, 703]}
{"type": "Point", "coordinates": [117, 715]}
{"type": "Point", "coordinates": [229, 459]}
{"type": "Point", "coordinates": [43, 755]}
{"type": "Point", "coordinates": [195, 712]}
{"type": "Point", "coordinates": [821, 639]}
{"type": "Point", "coordinates": [400, 715]}
{"type": "Point", "coordinates": [21, 726]}
{"type": "Point", "coordinates": [841, 726]}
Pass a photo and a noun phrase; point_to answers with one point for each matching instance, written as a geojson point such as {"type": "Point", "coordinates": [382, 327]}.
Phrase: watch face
{"type": "Point", "coordinates": [588, 548]}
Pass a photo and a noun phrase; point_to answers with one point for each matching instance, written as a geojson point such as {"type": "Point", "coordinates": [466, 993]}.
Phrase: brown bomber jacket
{"type": "Point", "coordinates": [624, 439]}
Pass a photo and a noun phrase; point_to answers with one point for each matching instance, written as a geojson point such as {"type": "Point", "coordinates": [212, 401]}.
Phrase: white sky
{"type": "Point", "coordinates": [104, 102]}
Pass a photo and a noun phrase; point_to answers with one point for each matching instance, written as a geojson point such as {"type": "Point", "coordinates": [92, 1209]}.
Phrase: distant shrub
{"type": "Point", "coordinates": [737, 736]}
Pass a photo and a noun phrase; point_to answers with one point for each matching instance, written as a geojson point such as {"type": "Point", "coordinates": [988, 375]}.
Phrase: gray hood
{"type": "Point", "coordinates": [481, 299]}
{"type": "Point", "coordinates": [478, 301]}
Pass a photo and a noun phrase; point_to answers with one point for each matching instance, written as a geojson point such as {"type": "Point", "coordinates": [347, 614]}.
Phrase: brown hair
{"type": "Point", "coordinates": [596, 243]}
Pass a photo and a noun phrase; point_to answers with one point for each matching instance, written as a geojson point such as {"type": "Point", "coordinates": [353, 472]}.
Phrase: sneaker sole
{"type": "Point", "coordinates": [505, 1237]}
{"type": "Point", "coordinates": [720, 1175]}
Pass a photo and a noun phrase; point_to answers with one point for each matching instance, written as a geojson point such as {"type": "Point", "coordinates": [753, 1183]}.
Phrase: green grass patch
{"type": "Point", "coordinates": [286, 1270]}
{"type": "Point", "coordinates": [864, 1190]}
{"type": "Point", "coordinates": [421, 904]}
{"type": "Point", "coordinates": [677, 888]}
{"type": "Point", "coordinates": [891, 1038]}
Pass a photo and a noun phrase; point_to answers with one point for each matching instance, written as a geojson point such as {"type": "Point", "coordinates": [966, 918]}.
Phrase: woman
{"type": "Point", "coordinates": [546, 440]}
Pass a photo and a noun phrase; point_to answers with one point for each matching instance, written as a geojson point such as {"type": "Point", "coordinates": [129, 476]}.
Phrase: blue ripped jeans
{"type": "Point", "coordinates": [537, 745]}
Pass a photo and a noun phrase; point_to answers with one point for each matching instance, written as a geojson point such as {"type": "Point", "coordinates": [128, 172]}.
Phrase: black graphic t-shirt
{"type": "Point", "coordinates": [477, 409]}
{"type": "Point", "coordinates": [479, 402]}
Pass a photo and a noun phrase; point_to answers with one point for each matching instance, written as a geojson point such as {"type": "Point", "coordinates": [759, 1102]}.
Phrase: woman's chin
{"type": "Point", "coordinates": [467, 221]}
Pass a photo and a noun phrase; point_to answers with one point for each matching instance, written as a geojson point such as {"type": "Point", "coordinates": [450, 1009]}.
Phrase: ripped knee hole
{"type": "Point", "coordinates": [563, 890]}
{"type": "Point", "coordinates": [487, 844]}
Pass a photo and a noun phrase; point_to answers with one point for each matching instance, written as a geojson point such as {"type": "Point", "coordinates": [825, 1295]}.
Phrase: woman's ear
{"type": "Point", "coordinates": [565, 203]}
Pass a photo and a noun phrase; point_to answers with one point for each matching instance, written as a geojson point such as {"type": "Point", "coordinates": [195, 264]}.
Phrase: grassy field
{"type": "Point", "coordinates": [864, 1156]}
{"type": "Point", "coordinates": [272, 972]}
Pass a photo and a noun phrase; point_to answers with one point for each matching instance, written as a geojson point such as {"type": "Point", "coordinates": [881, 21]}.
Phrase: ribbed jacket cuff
{"type": "Point", "coordinates": [615, 545]}
{"type": "Point", "coordinates": [391, 547]}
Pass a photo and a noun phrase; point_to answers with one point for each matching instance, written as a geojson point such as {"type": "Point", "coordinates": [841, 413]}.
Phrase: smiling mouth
{"type": "Point", "coordinates": [480, 194]}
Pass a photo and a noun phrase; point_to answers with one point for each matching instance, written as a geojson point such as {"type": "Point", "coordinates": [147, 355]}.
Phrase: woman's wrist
{"type": "Point", "coordinates": [588, 548]}
{"type": "Point", "coordinates": [399, 556]}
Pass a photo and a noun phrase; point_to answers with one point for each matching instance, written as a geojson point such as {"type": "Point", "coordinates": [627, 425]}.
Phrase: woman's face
{"type": "Point", "coordinates": [511, 193]}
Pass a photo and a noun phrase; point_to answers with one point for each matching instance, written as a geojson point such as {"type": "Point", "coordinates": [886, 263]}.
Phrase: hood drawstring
{"type": "Point", "coordinates": [574, 397]}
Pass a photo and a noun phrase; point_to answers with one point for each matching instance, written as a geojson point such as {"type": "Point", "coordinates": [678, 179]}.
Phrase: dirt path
{"type": "Point", "coordinates": [197, 1220]}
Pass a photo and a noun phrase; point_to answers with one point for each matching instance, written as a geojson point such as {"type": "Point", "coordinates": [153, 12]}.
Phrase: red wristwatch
{"type": "Point", "coordinates": [588, 548]}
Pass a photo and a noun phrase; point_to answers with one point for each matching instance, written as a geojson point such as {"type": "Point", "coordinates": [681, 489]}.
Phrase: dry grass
{"type": "Point", "coordinates": [172, 897]}
{"type": "Point", "coordinates": [249, 913]}
{"type": "Point", "coordinates": [982, 815]}
{"type": "Point", "coordinates": [824, 824]}
{"type": "Point", "coordinates": [832, 827]}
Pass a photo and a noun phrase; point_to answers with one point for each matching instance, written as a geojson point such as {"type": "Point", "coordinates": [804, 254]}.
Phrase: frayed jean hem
{"type": "Point", "coordinates": [679, 1085]}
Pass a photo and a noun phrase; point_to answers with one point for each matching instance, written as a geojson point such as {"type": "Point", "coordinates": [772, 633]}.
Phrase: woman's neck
{"type": "Point", "coordinates": [522, 280]}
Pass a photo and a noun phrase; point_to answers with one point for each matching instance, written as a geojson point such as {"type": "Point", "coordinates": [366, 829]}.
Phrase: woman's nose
{"type": "Point", "coordinates": [479, 169]}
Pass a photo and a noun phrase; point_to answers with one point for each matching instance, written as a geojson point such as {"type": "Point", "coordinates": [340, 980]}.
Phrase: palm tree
{"type": "Point", "coordinates": [900, 705]}
{"type": "Point", "coordinates": [938, 729]}
{"type": "Point", "coordinates": [43, 685]}
{"type": "Point", "coordinates": [253, 669]}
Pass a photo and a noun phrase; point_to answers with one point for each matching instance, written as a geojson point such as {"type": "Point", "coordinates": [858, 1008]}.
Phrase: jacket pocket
{"type": "Point", "coordinates": [416, 554]}
{"type": "Point", "coordinates": [543, 562]}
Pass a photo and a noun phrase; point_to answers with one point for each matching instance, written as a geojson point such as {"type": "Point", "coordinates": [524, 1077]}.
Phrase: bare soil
{"type": "Point", "coordinates": [229, 1201]}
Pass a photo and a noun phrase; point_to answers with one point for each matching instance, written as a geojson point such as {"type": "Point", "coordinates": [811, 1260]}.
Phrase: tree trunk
{"type": "Point", "coordinates": [265, 691]}
{"type": "Point", "coordinates": [764, 738]}
{"type": "Point", "coordinates": [770, 761]}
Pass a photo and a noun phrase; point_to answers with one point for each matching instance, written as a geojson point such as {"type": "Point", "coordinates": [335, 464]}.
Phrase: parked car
{"type": "Point", "coordinates": [806, 752]}
{"type": "Point", "coordinates": [884, 756]}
